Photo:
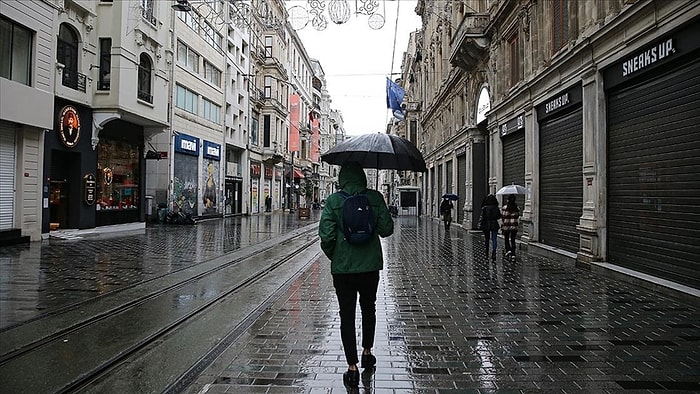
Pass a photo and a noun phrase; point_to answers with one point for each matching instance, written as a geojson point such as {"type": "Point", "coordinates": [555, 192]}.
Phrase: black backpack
{"type": "Point", "coordinates": [358, 220]}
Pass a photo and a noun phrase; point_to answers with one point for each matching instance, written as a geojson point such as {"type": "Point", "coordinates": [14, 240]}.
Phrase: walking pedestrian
{"type": "Point", "coordinates": [510, 213]}
{"type": "Point", "coordinates": [355, 267]}
{"type": "Point", "coordinates": [446, 212]}
{"type": "Point", "coordinates": [488, 223]}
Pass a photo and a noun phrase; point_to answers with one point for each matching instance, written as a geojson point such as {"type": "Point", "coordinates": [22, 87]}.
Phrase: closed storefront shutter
{"type": "Point", "coordinates": [7, 175]}
{"type": "Point", "coordinates": [654, 176]}
{"type": "Point", "coordinates": [461, 186]}
{"type": "Point", "coordinates": [514, 167]}
{"type": "Point", "coordinates": [561, 182]}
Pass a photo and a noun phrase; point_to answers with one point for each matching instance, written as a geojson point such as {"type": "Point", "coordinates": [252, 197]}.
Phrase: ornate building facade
{"type": "Point", "coordinates": [589, 105]}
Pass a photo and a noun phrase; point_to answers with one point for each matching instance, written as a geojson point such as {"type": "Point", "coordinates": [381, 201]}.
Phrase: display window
{"type": "Point", "coordinates": [118, 176]}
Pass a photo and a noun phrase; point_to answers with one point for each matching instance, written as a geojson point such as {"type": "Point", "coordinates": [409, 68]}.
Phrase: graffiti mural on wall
{"type": "Point", "coordinates": [185, 184]}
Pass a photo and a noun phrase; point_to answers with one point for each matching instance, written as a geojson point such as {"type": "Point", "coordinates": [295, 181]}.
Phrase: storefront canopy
{"type": "Point", "coordinates": [297, 174]}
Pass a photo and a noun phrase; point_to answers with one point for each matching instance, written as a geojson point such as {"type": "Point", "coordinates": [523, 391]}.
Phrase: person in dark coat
{"type": "Point", "coordinates": [510, 213]}
{"type": "Point", "coordinates": [488, 223]}
{"type": "Point", "coordinates": [355, 267]}
{"type": "Point", "coordinates": [446, 212]}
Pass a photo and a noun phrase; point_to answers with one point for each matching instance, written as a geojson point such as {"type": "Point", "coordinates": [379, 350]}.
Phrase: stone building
{"type": "Point", "coordinates": [590, 105]}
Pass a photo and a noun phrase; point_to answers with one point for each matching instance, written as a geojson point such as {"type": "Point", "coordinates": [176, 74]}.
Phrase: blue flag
{"type": "Point", "coordinates": [394, 98]}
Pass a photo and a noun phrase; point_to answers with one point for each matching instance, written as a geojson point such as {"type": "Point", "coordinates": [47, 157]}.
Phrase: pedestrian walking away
{"type": "Point", "coordinates": [355, 266]}
{"type": "Point", "coordinates": [510, 214]}
{"type": "Point", "coordinates": [446, 212]}
{"type": "Point", "coordinates": [488, 223]}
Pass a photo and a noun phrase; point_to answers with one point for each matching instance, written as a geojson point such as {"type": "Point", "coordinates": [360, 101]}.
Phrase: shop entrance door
{"type": "Point", "coordinates": [58, 205]}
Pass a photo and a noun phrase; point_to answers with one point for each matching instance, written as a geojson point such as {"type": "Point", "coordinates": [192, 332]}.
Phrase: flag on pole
{"type": "Point", "coordinates": [394, 98]}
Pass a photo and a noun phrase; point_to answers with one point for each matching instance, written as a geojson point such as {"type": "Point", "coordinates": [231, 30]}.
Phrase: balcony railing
{"type": "Point", "coordinates": [145, 96]}
{"type": "Point", "coordinates": [74, 80]}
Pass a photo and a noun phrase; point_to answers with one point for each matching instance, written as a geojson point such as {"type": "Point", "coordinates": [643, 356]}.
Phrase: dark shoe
{"type": "Point", "coordinates": [368, 361]}
{"type": "Point", "coordinates": [351, 378]}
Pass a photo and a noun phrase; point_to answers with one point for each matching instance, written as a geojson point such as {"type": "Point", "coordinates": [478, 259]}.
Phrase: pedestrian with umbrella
{"type": "Point", "coordinates": [355, 265]}
{"type": "Point", "coordinates": [446, 209]}
{"type": "Point", "coordinates": [510, 213]}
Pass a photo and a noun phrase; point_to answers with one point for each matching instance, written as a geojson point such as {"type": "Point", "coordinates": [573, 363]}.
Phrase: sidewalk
{"type": "Point", "coordinates": [451, 321]}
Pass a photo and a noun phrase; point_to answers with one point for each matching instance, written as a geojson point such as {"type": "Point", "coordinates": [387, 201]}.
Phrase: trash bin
{"type": "Point", "coordinates": [162, 212]}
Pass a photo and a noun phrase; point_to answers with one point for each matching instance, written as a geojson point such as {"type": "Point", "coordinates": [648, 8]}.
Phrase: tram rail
{"type": "Point", "coordinates": [104, 344]}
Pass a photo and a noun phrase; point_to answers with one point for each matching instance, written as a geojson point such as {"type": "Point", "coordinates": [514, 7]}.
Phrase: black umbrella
{"type": "Point", "coordinates": [380, 150]}
{"type": "Point", "coordinates": [450, 196]}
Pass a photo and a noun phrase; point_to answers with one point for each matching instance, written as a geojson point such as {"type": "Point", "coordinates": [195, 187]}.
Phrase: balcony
{"type": "Point", "coordinates": [73, 79]}
{"type": "Point", "coordinates": [256, 97]}
{"type": "Point", "coordinates": [471, 42]}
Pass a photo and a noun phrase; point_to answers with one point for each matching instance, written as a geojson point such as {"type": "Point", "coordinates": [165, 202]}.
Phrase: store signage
{"type": "Point", "coordinates": [69, 126]}
{"type": "Point", "coordinates": [255, 170]}
{"type": "Point", "coordinates": [681, 44]}
{"type": "Point", "coordinates": [89, 187]}
{"type": "Point", "coordinates": [648, 57]}
{"type": "Point", "coordinates": [268, 172]}
{"type": "Point", "coordinates": [483, 105]}
{"type": "Point", "coordinates": [187, 144]}
{"type": "Point", "coordinates": [512, 125]}
{"type": "Point", "coordinates": [557, 105]}
{"type": "Point", "coordinates": [211, 150]}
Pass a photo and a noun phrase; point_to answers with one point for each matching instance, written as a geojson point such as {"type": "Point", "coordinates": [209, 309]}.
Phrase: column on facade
{"type": "Point", "coordinates": [591, 227]}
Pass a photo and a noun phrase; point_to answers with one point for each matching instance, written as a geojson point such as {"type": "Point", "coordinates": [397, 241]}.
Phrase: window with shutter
{"type": "Point", "coordinates": [560, 24]}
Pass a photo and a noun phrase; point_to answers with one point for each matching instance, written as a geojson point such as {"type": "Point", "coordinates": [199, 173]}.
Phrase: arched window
{"type": "Point", "coordinates": [67, 54]}
{"type": "Point", "coordinates": [144, 87]}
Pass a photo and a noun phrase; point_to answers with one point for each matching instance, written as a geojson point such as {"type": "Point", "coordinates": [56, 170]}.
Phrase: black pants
{"type": "Point", "coordinates": [347, 286]}
{"type": "Point", "coordinates": [447, 218]}
{"type": "Point", "coordinates": [510, 239]}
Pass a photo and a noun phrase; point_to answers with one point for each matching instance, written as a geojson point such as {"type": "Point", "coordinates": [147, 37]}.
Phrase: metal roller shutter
{"type": "Point", "coordinates": [561, 182]}
{"type": "Point", "coordinates": [461, 186]}
{"type": "Point", "coordinates": [514, 166]}
{"type": "Point", "coordinates": [653, 176]}
{"type": "Point", "coordinates": [7, 175]}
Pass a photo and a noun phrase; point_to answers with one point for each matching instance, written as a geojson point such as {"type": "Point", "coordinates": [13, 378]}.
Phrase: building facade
{"type": "Point", "coordinates": [27, 78]}
{"type": "Point", "coordinates": [589, 105]}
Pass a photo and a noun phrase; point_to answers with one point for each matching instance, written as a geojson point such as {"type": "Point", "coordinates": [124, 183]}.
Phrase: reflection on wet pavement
{"type": "Point", "coordinates": [44, 276]}
{"type": "Point", "coordinates": [451, 320]}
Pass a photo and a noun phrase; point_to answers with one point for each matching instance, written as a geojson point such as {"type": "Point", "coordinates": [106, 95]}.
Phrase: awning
{"type": "Point", "coordinates": [297, 174]}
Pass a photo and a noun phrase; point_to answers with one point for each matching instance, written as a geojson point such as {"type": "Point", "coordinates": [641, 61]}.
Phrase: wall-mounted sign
{"type": "Point", "coordinates": [187, 144]}
{"type": "Point", "coordinates": [483, 105]}
{"type": "Point", "coordinates": [108, 175]}
{"type": "Point", "coordinates": [255, 170]}
{"type": "Point", "coordinates": [679, 44]}
{"type": "Point", "coordinates": [89, 188]}
{"type": "Point", "coordinates": [211, 150]}
{"type": "Point", "coordinates": [560, 103]}
{"type": "Point", "coordinates": [513, 125]}
{"type": "Point", "coordinates": [268, 172]}
{"type": "Point", "coordinates": [69, 126]}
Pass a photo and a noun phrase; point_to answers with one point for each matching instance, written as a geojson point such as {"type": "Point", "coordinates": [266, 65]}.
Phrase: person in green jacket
{"type": "Point", "coordinates": [355, 268]}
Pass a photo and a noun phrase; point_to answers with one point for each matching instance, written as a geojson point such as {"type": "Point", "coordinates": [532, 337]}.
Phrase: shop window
{"type": "Point", "coordinates": [118, 175]}
{"type": "Point", "coordinates": [144, 82]}
{"type": "Point", "coordinates": [15, 52]}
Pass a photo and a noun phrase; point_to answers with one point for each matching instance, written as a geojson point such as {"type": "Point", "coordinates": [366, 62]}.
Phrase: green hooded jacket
{"type": "Point", "coordinates": [346, 258]}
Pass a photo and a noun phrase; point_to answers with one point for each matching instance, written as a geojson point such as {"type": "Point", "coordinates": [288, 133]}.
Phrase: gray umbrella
{"type": "Point", "coordinates": [380, 150]}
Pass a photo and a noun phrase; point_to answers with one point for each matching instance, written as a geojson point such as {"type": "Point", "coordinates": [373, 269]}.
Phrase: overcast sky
{"type": "Point", "coordinates": [357, 60]}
